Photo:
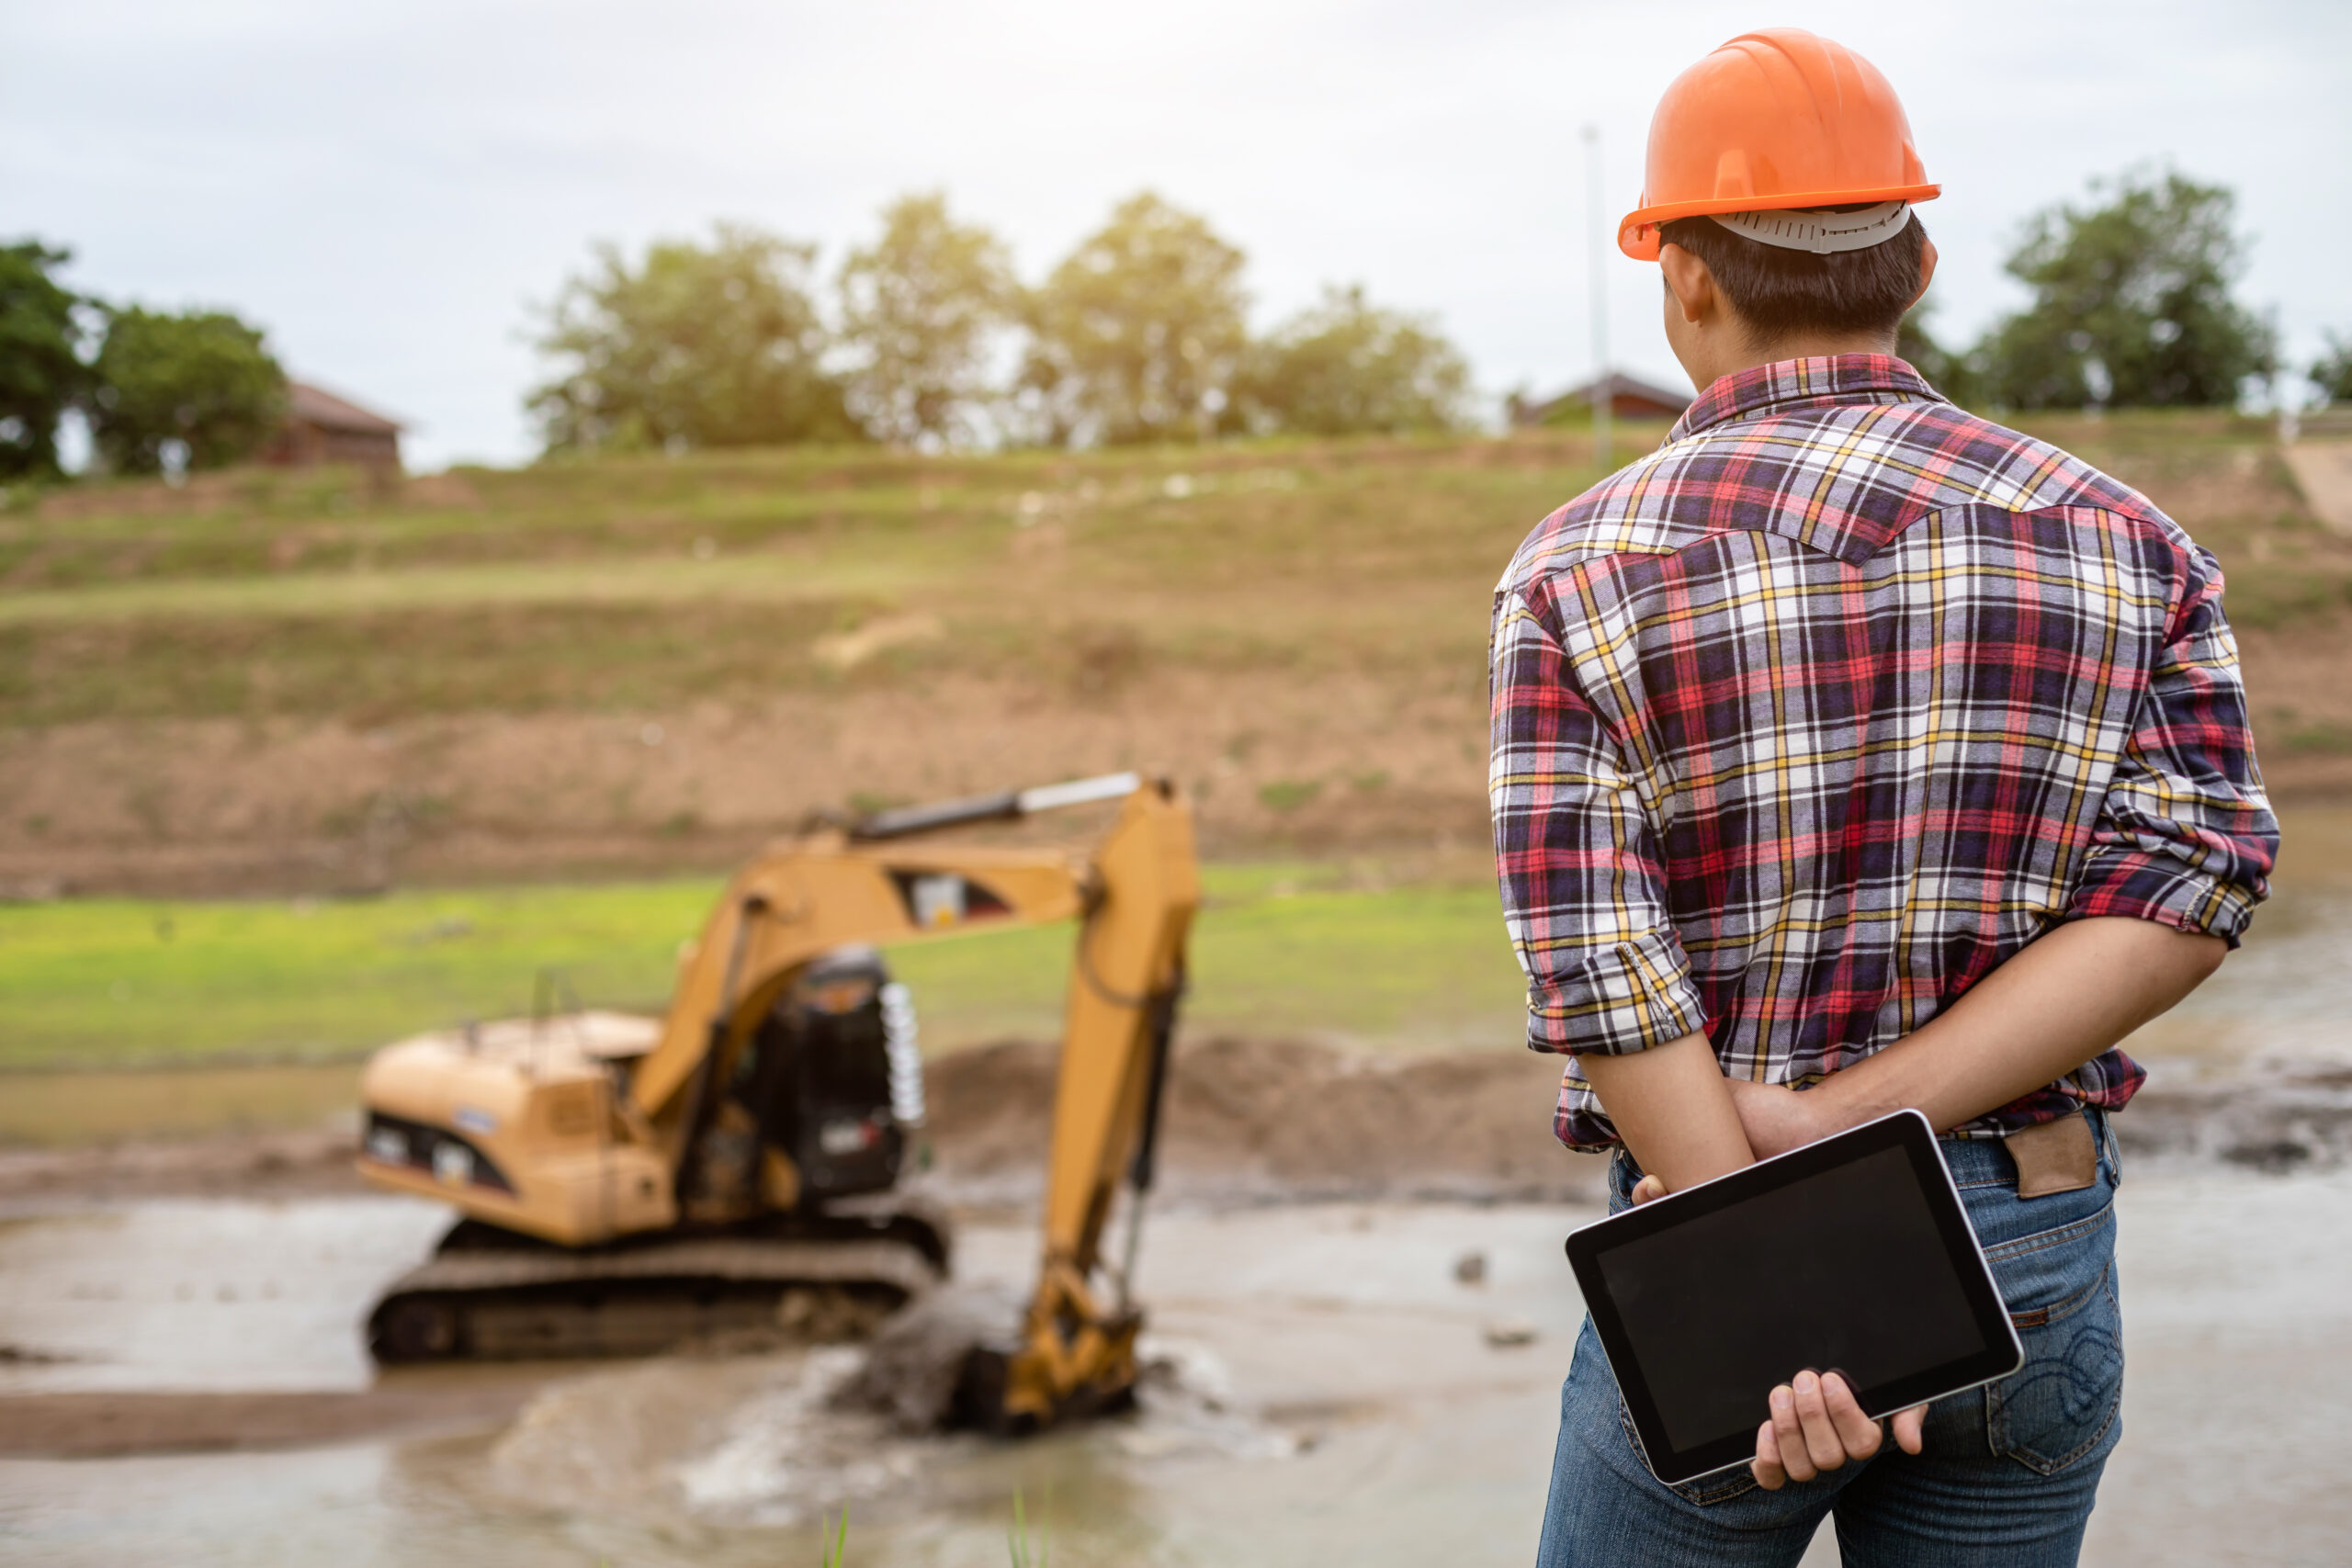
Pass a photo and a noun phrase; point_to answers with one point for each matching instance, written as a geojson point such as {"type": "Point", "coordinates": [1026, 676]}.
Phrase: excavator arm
{"type": "Point", "coordinates": [1134, 897]}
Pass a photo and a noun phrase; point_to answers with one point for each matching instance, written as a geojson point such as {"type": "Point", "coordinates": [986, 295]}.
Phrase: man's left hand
{"type": "Point", "coordinates": [1777, 1118]}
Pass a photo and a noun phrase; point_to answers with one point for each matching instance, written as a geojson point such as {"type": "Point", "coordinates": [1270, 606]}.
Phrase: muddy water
{"type": "Point", "coordinates": [200, 1295]}
{"type": "Point", "coordinates": [1329, 1395]}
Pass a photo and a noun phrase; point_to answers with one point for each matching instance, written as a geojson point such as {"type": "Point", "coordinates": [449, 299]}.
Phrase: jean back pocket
{"type": "Point", "coordinates": [2061, 1404]}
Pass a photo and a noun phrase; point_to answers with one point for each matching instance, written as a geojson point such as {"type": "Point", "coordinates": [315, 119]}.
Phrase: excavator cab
{"type": "Point", "coordinates": [831, 1079]}
{"type": "Point", "coordinates": [744, 1166]}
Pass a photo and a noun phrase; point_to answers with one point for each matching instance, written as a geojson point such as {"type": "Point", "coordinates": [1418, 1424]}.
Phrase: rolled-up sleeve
{"type": "Point", "coordinates": [1582, 888]}
{"type": "Point", "coordinates": [2186, 836]}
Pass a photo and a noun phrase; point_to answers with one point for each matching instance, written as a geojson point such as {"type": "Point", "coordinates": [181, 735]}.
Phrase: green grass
{"type": "Point", "coordinates": [654, 581]}
{"type": "Point", "coordinates": [648, 581]}
{"type": "Point", "coordinates": [108, 980]}
{"type": "Point", "coordinates": [1280, 950]}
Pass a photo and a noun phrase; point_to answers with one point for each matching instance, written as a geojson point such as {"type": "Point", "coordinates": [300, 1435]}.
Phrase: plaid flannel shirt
{"type": "Point", "coordinates": [1805, 721]}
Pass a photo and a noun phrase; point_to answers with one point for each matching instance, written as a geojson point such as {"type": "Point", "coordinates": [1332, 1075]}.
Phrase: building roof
{"type": "Point", "coordinates": [1619, 386]}
{"type": "Point", "coordinates": [315, 405]}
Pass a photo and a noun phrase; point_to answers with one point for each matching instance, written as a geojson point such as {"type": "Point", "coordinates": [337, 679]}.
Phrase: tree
{"type": "Point", "coordinates": [40, 374]}
{"type": "Point", "coordinates": [199, 390]}
{"type": "Point", "coordinates": [1344, 366]}
{"type": "Point", "coordinates": [699, 346]}
{"type": "Point", "coordinates": [1946, 370]}
{"type": "Point", "coordinates": [2132, 304]}
{"type": "Point", "coordinates": [919, 307]}
{"type": "Point", "coordinates": [1137, 334]}
{"type": "Point", "coordinates": [2332, 371]}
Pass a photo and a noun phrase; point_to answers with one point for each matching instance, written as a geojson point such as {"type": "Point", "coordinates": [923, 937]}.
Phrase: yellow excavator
{"type": "Point", "coordinates": [737, 1169]}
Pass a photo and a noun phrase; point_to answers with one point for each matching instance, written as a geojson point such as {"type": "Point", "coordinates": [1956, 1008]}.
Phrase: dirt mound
{"type": "Point", "coordinates": [1293, 1118]}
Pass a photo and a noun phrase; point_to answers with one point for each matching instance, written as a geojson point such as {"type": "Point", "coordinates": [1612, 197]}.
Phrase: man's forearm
{"type": "Point", "coordinates": [1673, 1109]}
{"type": "Point", "coordinates": [2061, 1002]}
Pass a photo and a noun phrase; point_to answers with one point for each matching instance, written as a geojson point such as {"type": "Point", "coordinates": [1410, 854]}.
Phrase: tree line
{"type": "Point", "coordinates": [162, 390]}
{"type": "Point", "coordinates": [926, 336]}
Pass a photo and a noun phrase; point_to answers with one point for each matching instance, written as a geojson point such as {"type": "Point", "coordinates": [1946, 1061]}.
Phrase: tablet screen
{"type": "Point", "coordinates": [1853, 1254]}
{"type": "Point", "coordinates": [1847, 1263]}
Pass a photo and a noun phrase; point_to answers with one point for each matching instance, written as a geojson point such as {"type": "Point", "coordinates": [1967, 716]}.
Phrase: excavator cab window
{"type": "Point", "coordinates": [817, 1078]}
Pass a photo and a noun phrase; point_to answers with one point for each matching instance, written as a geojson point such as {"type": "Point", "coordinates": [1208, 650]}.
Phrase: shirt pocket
{"type": "Point", "coordinates": [2060, 1407]}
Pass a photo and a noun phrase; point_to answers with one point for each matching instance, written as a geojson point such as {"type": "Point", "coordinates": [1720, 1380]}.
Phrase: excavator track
{"type": "Point", "coordinates": [489, 1294]}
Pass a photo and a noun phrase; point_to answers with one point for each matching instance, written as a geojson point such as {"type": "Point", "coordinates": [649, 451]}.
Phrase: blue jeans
{"type": "Point", "coordinates": [2007, 1473]}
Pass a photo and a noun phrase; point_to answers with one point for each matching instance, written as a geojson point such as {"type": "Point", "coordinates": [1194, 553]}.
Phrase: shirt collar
{"type": "Point", "coordinates": [1817, 382]}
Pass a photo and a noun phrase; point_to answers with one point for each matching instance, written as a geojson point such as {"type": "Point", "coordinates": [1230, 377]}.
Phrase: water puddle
{"type": "Point", "coordinates": [196, 1294]}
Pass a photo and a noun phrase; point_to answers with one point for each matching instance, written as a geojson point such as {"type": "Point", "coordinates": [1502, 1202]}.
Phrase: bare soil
{"type": "Point", "coordinates": [189, 806]}
{"type": "Point", "coordinates": [1288, 1120]}
{"type": "Point", "coordinates": [1332, 762]}
{"type": "Point", "coordinates": [1246, 1121]}
{"type": "Point", "coordinates": [2323, 472]}
{"type": "Point", "coordinates": [307, 1163]}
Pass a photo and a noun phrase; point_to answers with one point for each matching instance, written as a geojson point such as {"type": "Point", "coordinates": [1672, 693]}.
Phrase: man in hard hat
{"type": "Point", "coordinates": [1851, 744]}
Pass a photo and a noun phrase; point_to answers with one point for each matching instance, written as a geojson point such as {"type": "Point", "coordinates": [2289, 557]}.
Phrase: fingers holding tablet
{"type": "Point", "coordinates": [1853, 1252]}
{"type": "Point", "coordinates": [1815, 1425]}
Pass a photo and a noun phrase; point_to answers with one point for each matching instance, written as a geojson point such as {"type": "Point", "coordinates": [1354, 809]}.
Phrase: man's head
{"type": "Point", "coordinates": [1733, 302]}
{"type": "Point", "coordinates": [1777, 199]}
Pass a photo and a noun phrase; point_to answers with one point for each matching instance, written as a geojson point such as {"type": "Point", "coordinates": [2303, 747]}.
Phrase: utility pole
{"type": "Point", "coordinates": [1599, 224]}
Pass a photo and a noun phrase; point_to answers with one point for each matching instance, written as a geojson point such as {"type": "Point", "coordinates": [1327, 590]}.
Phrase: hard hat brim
{"type": "Point", "coordinates": [1637, 232]}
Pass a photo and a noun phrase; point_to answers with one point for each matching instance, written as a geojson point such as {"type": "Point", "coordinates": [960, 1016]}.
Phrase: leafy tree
{"type": "Point", "coordinates": [205, 380]}
{"type": "Point", "coordinates": [1138, 333]}
{"type": "Point", "coordinates": [2332, 371]}
{"type": "Point", "coordinates": [40, 375]}
{"type": "Point", "coordinates": [1344, 366]}
{"type": "Point", "coordinates": [2132, 304]}
{"type": "Point", "coordinates": [1948, 371]}
{"type": "Point", "coordinates": [919, 306]}
{"type": "Point", "coordinates": [698, 346]}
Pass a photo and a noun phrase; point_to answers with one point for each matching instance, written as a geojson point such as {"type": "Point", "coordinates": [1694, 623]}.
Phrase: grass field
{"type": "Point", "coordinates": [624, 582]}
{"type": "Point", "coordinates": [1281, 949]}
{"type": "Point", "coordinates": [714, 577]}
{"type": "Point", "coordinates": [281, 681]}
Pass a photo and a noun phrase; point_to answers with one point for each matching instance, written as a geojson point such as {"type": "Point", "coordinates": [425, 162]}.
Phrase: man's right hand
{"type": "Point", "coordinates": [1815, 1425]}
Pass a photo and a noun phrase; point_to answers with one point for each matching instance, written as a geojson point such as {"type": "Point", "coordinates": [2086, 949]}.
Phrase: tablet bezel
{"type": "Point", "coordinates": [1905, 1130]}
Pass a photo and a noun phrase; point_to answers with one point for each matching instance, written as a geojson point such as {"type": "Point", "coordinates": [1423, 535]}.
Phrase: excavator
{"type": "Point", "coordinates": [737, 1168]}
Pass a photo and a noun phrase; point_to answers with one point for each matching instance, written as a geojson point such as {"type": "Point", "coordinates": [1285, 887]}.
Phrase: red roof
{"type": "Point", "coordinates": [314, 405]}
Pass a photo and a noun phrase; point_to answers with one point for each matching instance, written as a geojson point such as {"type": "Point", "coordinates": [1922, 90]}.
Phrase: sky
{"type": "Point", "coordinates": [392, 190]}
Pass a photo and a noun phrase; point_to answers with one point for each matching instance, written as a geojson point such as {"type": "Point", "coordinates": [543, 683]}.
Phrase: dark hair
{"type": "Point", "coordinates": [1780, 292]}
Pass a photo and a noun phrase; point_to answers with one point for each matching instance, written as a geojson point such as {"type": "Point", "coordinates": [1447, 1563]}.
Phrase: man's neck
{"type": "Point", "coordinates": [1738, 356]}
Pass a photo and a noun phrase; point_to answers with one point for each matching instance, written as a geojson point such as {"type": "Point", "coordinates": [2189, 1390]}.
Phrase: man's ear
{"type": "Point", "coordinates": [1688, 279]}
{"type": "Point", "coordinates": [1926, 267]}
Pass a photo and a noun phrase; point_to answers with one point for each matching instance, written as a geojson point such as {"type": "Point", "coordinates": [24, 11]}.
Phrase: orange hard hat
{"type": "Point", "coordinates": [1770, 122]}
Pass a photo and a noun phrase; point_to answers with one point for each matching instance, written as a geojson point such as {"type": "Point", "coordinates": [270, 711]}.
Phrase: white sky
{"type": "Point", "coordinates": [390, 188]}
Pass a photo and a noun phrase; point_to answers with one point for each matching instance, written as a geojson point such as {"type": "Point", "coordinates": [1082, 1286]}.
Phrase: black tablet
{"type": "Point", "coordinates": [1852, 1255]}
